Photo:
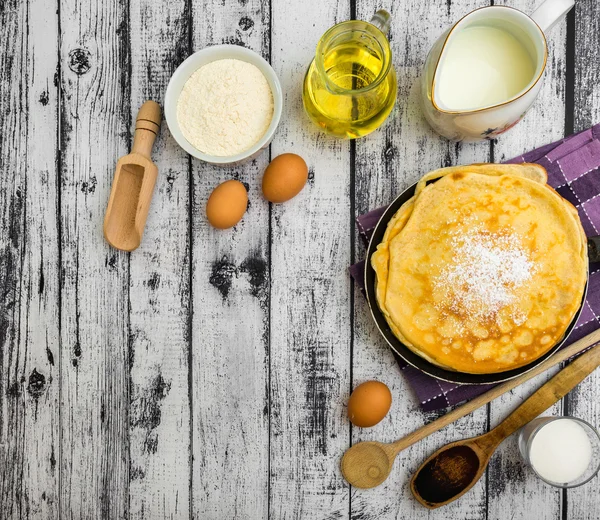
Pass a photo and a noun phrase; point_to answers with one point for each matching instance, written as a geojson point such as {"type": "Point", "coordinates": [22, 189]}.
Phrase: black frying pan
{"type": "Point", "coordinates": [417, 361]}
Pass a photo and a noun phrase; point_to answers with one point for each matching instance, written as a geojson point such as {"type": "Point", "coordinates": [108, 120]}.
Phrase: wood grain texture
{"type": "Point", "coordinates": [536, 499]}
{"type": "Point", "coordinates": [387, 162]}
{"type": "Point", "coordinates": [13, 125]}
{"type": "Point", "coordinates": [95, 131]}
{"type": "Point", "coordinates": [310, 296]}
{"type": "Point", "coordinates": [29, 326]}
{"type": "Point", "coordinates": [583, 503]}
{"type": "Point", "coordinates": [224, 357]}
{"type": "Point", "coordinates": [40, 287]}
{"type": "Point", "coordinates": [159, 290]}
{"type": "Point", "coordinates": [230, 330]}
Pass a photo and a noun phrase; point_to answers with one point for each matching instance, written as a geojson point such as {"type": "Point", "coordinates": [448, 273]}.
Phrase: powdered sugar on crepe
{"type": "Point", "coordinates": [486, 270]}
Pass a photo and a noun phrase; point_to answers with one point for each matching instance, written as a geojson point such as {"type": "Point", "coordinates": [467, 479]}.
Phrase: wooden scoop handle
{"type": "Point", "coordinates": [548, 394]}
{"type": "Point", "coordinates": [147, 125]}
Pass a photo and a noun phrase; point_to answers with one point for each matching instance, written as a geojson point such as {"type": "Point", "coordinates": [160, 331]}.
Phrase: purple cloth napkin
{"type": "Point", "coordinates": [573, 166]}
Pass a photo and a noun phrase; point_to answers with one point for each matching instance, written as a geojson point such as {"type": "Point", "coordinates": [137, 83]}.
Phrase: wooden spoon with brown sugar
{"type": "Point", "coordinates": [452, 470]}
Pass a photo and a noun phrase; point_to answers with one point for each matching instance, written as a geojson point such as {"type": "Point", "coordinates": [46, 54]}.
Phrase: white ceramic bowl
{"type": "Point", "coordinates": [191, 65]}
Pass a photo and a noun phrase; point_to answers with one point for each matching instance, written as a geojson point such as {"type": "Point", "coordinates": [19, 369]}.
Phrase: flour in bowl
{"type": "Point", "coordinates": [225, 107]}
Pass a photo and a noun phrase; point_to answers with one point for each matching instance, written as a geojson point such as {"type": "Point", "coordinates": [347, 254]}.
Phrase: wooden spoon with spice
{"type": "Point", "coordinates": [452, 470]}
{"type": "Point", "coordinates": [368, 464]}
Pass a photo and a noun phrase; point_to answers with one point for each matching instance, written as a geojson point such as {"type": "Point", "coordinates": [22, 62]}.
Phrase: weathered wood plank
{"type": "Point", "coordinates": [230, 331]}
{"type": "Point", "coordinates": [106, 428]}
{"type": "Point", "coordinates": [40, 280]}
{"type": "Point", "coordinates": [514, 491]}
{"type": "Point", "coordinates": [387, 162]}
{"type": "Point", "coordinates": [583, 503]}
{"type": "Point", "coordinates": [95, 131]}
{"type": "Point", "coordinates": [159, 293]}
{"type": "Point", "coordinates": [13, 126]}
{"type": "Point", "coordinates": [310, 298]}
{"type": "Point", "coordinates": [29, 325]}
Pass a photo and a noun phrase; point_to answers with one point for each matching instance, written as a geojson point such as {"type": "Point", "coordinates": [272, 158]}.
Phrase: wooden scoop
{"type": "Point", "coordinates": [452, 470]}
{"type": "Point", "coordinates": [368, 464]}
{"type": "Point", "coordinates": [133, 184]}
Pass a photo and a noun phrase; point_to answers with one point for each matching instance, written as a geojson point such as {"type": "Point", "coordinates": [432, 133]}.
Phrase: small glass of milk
{"type": "Point", "coordinates": [562, 451]}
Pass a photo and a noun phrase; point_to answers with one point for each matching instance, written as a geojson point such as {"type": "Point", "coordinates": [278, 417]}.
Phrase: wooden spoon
{"type": "Point", "coordinates": [133, 184]}
{"type": "Point", "coordinates": [368, 464]}
{"type": "Point", "coordinates": [452, 470]}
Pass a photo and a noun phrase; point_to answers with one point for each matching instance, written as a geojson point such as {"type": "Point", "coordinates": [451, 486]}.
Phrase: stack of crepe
{"type": "Point", "coordinates": [483, 269]}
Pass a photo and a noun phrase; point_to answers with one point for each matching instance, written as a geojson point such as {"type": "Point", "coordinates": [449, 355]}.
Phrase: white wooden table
{"type": "Point", "coordinates": [205, 375]}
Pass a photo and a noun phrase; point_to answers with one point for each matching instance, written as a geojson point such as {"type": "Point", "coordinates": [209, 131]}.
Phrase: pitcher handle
{"type": "Point", "coordinates": [382, 20]}
{"type": "Point", "coordinates": [551, 12]}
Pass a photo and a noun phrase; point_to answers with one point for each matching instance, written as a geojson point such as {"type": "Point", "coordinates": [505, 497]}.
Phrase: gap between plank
{"type": "Point", "coordinates": [129, 385]}
{"type": "Point", "coordinates": [569, 129]}
{"type": "Point", "coordinates": [59, 166]}
{"type": "Point", "coordinates": [190, 28]}
{"type": "Point", "coordinates": [352, 260]}
{"type": "Point", "coordinates": [269, 314]}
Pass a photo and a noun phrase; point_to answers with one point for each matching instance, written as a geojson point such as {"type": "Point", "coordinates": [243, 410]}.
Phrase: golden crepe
{"type": "Point", "coordinates": [484, 269]}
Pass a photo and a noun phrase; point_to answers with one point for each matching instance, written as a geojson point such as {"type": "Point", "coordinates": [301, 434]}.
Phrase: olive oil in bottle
{"type": "Point", "coordinates": [350, 87]}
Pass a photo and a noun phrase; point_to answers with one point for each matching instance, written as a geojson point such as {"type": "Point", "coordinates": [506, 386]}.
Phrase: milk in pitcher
{"type": "Point", "coordinates": [482, 66]}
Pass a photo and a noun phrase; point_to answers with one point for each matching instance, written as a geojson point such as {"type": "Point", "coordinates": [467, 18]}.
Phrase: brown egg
{"type": "Point", "coordinates": [227, 204]}
{"type": "Point", "coordinates": [284, 178]}
{"type": "Point", "coordinates": [369, 404]}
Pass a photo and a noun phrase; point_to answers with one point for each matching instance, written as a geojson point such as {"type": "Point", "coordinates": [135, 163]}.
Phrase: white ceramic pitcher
{"type": "Point", "coordinates": [488, 122]}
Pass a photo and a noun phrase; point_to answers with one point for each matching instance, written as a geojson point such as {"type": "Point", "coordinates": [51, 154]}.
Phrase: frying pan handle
{"type": "Point", "coordinates": [594, 249]}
